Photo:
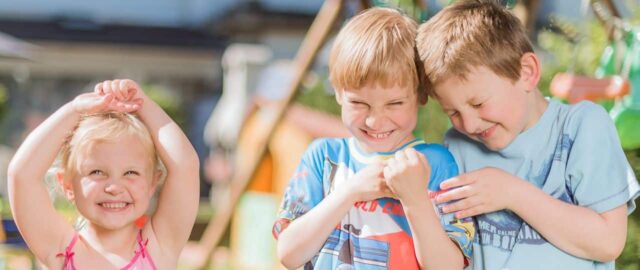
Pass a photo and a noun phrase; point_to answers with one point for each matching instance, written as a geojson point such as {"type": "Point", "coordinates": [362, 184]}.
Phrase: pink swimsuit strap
{"type": "Point", "coordinates": [68, 254]}
{"type": "Point", "coordinates": [141, 261]}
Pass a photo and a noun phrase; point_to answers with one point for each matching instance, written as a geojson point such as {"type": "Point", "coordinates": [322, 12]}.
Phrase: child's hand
{"type": "Point", "coordinates": [407, 173]}
{"type": "Point", "coordinates": [482, 191]}
{"type": "Point", "coordinates": [368, 184]}
{"type": "Point", "coordinates": [89, 103]}
{"type": "Point", "coordinates": [122, 90]}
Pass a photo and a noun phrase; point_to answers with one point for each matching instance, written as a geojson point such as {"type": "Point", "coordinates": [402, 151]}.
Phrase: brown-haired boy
{"type": "Point", "coordinates": [548, 183]}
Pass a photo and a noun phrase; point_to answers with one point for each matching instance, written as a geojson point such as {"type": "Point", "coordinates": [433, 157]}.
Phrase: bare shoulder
{"type": "Point", "coordinates": [163, 258]}
{"type": "Point", "coordinates": [56, 258]}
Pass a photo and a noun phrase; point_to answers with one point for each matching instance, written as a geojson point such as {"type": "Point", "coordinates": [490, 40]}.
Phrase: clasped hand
{"type": "Point", "coordinates": [401, 177]}
{"type": "Point", "coordinates": [117, 95]}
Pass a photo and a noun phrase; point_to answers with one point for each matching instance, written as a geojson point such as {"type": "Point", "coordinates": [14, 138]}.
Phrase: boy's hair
{"type": "Point", "coordinates": [99, 128]}
{"type": "Point", "coordinates": [377, 46]}
{"type": "Point", "coordinates": [469, 34]}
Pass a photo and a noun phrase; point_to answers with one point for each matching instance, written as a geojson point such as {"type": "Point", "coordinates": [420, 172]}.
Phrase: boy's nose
{"type": "Point", "coordinates": [470, 124]}
{"type": "Point", "coordinates": [373, 121]}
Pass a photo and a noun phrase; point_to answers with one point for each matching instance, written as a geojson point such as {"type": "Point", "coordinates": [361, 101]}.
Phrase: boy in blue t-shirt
{"type": "Point", "coordinates": [364, 202]}
{"type": "Point", "coordinates": [548, 184]}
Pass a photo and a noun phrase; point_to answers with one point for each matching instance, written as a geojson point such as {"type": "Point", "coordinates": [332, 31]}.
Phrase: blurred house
{"type": "Point", "coordinates": [171, 45]}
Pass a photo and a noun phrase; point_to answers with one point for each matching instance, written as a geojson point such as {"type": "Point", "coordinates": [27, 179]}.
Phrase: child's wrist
{"type": "Point", "coordinates": [515, 193]}
{"type": "Point", "coordinates": [347, 195]}
{"type": "Point", "coordinates": [73, 108]}
{"type": "Point", "coordinates": [416, 199]}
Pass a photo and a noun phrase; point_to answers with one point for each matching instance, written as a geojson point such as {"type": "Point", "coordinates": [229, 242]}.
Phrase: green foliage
{"type": "Point", "coordinates": [168, 100]}
{"type": "Point", "coordinates": [432, 123]}
{"type": "Point", "coordinates": [4, 97]}
{"type": "Point", "coordinates": [407, 6]}
{"type": "Point", "coordinates": [581, 58]}
{"type": "Point", "coordinates": [630, 258]}
{"type": "Point", "coordinates": [314, 94]}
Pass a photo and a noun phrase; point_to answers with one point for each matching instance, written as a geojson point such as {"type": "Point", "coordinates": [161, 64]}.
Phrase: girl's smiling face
{"type": "Point", "coordinates": [115, 182]}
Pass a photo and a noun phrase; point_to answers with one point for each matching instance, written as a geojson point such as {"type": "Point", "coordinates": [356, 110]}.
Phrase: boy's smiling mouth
{"type": "Point", "coordinates": [485, 134]}
{"type": "Point", "coordinates": [377, 135]}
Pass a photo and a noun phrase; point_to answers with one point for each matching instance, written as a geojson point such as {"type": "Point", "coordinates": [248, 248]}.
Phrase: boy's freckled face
{"type": "Point", "coordinates": [487, 108]}
{"type": "Point", "coordinates": [381, 119]}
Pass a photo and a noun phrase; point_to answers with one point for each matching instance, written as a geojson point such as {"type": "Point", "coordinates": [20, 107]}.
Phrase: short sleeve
{"type": "Point", "coordinates": [304, 190]}
{"type": "Point", "coordinates": [452, 141]}
{"type": "Point", "coordinates": [598, 173]}
{"type": "Point", "coordinates": [443, 167]}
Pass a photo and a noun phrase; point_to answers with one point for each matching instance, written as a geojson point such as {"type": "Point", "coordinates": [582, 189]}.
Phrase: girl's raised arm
{"type": "Point", "coordinates": [46, 232]}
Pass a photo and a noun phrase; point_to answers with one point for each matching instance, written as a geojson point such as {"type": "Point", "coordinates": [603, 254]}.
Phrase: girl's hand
{"type": "Point", "coordinates": [90, 103]}
{"type": "Point", "coordinates": [407, 174]}
{"type": "Point", "coordinates": [122, 90]}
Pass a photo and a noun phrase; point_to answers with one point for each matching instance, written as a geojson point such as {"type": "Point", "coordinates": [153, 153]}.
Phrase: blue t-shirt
{"type": "Point", "coordinates": [573, 153]}
{"type": "Point", "coordinates": [373, 234]}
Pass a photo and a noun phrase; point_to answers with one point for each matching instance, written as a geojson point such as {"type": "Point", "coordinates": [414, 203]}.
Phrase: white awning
{"type": "Point", "coordinates": [11, 47]}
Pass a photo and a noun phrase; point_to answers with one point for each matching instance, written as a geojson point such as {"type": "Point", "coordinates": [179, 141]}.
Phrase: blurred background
{"type": "Point", "coordinates": [247, 82]}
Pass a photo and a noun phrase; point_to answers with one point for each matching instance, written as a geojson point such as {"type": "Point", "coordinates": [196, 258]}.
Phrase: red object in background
{"type": "Point", "coordinates": [576, 88]}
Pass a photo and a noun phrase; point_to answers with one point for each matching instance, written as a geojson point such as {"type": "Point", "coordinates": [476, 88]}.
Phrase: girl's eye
{"type": "Point", "coordinates": [396, 103]}
{"type": "Point", "coordinates": [129, 173]}
{"type": "Point", "coordinates": [477, 105]}
{"type": "Point", "coordinates": [96, 172]}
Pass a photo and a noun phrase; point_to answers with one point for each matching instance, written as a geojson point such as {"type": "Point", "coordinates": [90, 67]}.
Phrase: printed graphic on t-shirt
{"type": "Point", "coordinates": [373, 234]}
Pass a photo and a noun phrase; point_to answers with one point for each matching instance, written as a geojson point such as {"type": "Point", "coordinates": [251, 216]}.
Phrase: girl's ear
{"type": "Point", "coordinates": [67, 188]}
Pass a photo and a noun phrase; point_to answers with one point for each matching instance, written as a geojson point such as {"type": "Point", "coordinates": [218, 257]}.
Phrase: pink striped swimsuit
{"type": "Point", "coordinates": [141, 261]}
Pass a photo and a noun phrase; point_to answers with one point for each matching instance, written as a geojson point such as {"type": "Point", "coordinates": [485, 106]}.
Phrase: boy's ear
{"type": "Point", "coordinates": [339, 95]}
{"type": "Point", "coordinates": [66, 185]}
{"type": "Point", "coordinates": [530, 71]}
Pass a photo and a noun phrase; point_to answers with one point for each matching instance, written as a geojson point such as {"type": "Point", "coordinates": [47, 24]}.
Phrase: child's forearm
{"type": "Point", "coordinates": [434, 249]}
{"type": "Point", "coordinates": [304, 237]}
{"type": "Point", "coordinates": [172, 144]}
{"type": "Point", "coordinates": [576, 230]}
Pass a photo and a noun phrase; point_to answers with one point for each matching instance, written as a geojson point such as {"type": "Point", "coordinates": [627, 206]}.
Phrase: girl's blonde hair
{"type": "Point", "coordinates": [103, 127]}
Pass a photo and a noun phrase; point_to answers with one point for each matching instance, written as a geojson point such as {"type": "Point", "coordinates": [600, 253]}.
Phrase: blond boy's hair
{"type": "Point", "coordinates": [470, 34]}
{"type": "Point", "coordinates": [99, 128]}
{"type": "Point", "coordinates": [376, 47]}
